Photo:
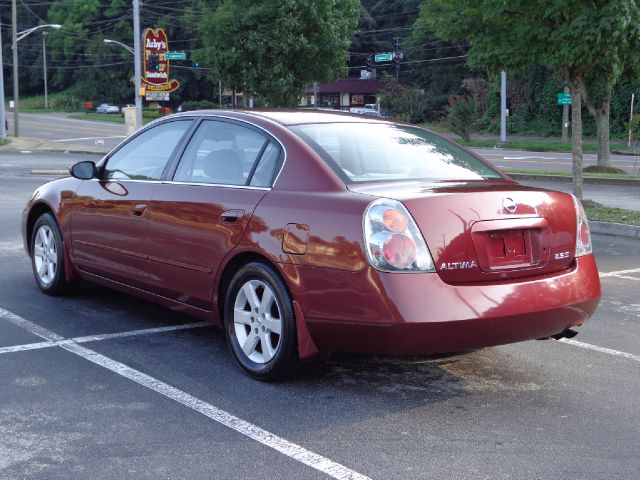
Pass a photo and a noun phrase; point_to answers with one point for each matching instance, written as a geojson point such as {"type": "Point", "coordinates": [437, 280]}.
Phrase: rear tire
{"type": "Point", "coordinates": [47, 256]}
{"type": "Point", "coordinates": [260, 324]}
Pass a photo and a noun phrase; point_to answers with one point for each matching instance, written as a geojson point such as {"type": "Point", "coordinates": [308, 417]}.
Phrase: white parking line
{"type": "Point", "coordinates": [623, 277]}
{"type": "Point", "coordinates": [596, 348]}
{"type": "Point", "coordinates": [96, 338]}
{"type": "Point", "coordinates": [619, 272]}
{"type": "Point", "coordinates": [291, 450]}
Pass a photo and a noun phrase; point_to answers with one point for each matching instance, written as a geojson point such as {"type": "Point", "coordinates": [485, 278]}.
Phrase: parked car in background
{"type": "Point", "coordinates": [306, 233]}
{"type": "Point", "coordinates": [107, 108]}
{"type": "Point", "coordinates": [369, 110]}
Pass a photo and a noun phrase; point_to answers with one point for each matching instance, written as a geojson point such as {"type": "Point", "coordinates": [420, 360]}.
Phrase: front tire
{"type": "Point", "coordinates": [47, 256]}
{"type": "Point", "coordinates": [260, 323]}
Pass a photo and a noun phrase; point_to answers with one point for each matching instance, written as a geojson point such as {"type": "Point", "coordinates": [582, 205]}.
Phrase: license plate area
{"type": "Point", "coordinates": [511, 244]}
{"type": "Point", "coordinates": [509, 248]}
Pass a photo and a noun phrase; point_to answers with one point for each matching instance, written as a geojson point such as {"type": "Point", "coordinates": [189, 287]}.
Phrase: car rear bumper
{"type": "Point", "coordinates": [374, 312]}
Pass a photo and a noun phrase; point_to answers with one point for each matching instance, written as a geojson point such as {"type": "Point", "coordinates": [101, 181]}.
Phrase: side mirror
{"type": "Point", "coordinates": [85, 170]}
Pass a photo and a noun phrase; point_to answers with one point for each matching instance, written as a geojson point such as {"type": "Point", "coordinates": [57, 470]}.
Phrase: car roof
{"type": "Point", "coordinates": [290, 117]}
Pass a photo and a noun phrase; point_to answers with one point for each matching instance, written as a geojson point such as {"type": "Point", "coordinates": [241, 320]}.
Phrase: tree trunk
{"type": "Point", "coordinates": [602, 124]}
{"type": "Point", "coordinates": [576, 138]}
{"type": "Point", "coordinates": [599, 110]}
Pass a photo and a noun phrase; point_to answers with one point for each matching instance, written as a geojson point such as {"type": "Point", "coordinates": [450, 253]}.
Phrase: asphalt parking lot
{"type": "Point", "coordinates": [102, 385]}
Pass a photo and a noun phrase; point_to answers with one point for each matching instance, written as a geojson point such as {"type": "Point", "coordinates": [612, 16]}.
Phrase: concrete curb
{"type": "Point", "coordinates": [632, 182]}
{"type": "Point", "coordinates": [615, 229]}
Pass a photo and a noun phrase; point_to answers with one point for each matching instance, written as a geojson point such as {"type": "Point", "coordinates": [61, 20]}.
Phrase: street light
{"type": "Point", "coordinates": [136, 64]}
{"type": "Point", "coordinates": [129, 49]}
{"type": "Point", "coordinates": [24, 33]}
{"type": "Point", "coordinates": [17, 36]}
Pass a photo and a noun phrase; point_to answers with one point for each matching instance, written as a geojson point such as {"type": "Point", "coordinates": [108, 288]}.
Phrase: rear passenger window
{"type": "Point", "coordinates": [221, 153]}
{"type": "Point", "coordinates": [263, 175]}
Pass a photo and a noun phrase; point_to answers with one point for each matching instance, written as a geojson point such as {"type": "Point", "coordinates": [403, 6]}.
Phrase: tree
{"type": "Point", "coordinates": [588, 43]}
{"type": "Point", "coordinates": [406, 103]}
{"type": "Point", "coordinates": [273, 48]}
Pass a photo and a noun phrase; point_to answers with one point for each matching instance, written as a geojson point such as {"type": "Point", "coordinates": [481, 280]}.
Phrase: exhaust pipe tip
{"type": "Point", "coordinates": [568, 333]}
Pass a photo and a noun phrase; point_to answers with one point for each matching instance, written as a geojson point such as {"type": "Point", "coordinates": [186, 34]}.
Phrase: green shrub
{"type": "Point", "coordinates": [461, 116]}
{"type": "Point", "coordinates": [150, 113]}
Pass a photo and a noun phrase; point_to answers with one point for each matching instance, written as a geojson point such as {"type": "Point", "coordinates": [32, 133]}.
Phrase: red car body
{"type": "Point", "coordinates": [504, 254]}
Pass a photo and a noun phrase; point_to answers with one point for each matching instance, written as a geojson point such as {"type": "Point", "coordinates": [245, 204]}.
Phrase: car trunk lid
{"type": "Point", "coordinates": [491, 230]}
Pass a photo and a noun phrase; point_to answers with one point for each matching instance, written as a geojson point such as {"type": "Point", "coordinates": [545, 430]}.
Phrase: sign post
{"type": "Point", "coordinates": [564, 99]}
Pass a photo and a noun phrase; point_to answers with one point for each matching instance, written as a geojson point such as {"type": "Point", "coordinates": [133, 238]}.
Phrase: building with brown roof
{"type": "Point", "coordinates": [345, 93]}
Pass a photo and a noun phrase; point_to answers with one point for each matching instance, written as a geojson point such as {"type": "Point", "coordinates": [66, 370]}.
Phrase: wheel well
{"type": "Point", "coordinates": [230, 270]}
{"type": "Point", "coordinates": [34, 214]}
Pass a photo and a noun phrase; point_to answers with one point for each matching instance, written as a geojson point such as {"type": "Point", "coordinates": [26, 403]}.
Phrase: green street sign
{"type": "Point", "coordinates": [564, 98]}
{"type": "Point", "coordinates": [175, 55]}
{"type": "Point", "coordinates": [383, 57]}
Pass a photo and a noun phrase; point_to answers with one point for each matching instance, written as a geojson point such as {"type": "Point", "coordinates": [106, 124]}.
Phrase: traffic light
{"type": "Point", "coordinates": [153, 62]}
{"type": "Point", "coordinates": [369, 62]}
{"type": "Point", "coordinates": [397, 57]}
{"type": "Point", "coordinates": [196, 64]}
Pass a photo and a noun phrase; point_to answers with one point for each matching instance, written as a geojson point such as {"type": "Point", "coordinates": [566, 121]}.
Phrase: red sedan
{"type": "Point", "coordinates": [304, 233]}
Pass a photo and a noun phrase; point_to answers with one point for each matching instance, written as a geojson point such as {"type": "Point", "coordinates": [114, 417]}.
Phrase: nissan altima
{"type": "Point", "coordinates": [306, 233]}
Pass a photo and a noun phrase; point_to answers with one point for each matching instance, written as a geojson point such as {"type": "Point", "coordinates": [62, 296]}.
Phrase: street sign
{"type": "Point", "coordinates": [157, 96]}
{"type": "Point", "coordinates": [175, 55]}
{"type": "Point", "coordinates": [564, 98]}
{"type": "Point", "coordinates": [383, 57]}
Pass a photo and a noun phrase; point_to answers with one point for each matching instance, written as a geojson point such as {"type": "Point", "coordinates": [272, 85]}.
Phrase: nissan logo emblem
{"type": "Point", "coordinates": [509, 205]}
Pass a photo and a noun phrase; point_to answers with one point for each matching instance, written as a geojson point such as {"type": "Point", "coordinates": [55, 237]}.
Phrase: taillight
{"type": "Point", "coordinates": [392, 239]}
{"type": "Point", "coordinates": [583, 236]}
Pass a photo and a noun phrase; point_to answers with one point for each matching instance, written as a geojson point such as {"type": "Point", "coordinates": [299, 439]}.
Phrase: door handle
{"type": "Point", "coordinates": [139, 210]}
{"type": "Point", "coordinates": [231, 216]}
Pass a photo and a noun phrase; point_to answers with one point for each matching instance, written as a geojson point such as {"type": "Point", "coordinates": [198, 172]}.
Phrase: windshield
{"type": "Point", "coordinates": [365, 152]}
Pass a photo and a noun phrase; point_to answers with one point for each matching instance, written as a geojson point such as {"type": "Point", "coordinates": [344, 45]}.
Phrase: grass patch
{"type": "Point", "coordinates": [599, 213]}
{"type": "Point", "coordinates": [616, 176]}
{"type": "Point", "coordinates": [113, 118]}
{"type": "Point", "coordinates": [4, 142]}
{"type": "Point", "coordinates": [56, 102]}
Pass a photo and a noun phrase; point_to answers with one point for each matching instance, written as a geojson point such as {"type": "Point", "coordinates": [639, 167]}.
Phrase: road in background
{"type": "Point", "coordinates": [59, 129]}
{"type": "Point", "coordinates": [521, 160]}
{"type": "Point", "coordinates": [12, 162]}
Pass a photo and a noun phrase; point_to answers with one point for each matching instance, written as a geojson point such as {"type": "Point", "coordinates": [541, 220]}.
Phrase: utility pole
{"type": "Point", "coordinates": [3, 130]}
{"type": "Point", "coordinates": [14, 36]}
{"type": "Point", "coordinates": [503, 106]}
{"type": "Point", "coordinates": [137, 55]}
{"type": "Point", "coordinates": [44, 64]}
{"type": "Point", "coordinates": [397, 58]}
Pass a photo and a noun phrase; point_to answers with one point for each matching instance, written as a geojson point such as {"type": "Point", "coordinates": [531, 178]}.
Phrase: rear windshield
{"type": "Point", "coordinates": [366, 152]}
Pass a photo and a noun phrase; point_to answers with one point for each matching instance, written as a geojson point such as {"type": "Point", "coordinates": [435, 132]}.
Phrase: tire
{"type": "Point", "coordinates": [47, 256]}
{"type": "Point", "coordinates": [260, 324]}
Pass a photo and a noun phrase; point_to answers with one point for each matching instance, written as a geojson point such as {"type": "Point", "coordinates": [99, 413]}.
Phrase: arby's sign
{"type": "Point", "coordinates": [156, 67]}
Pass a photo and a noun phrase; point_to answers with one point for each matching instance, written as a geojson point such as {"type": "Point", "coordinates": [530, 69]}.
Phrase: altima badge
{"type": "Point", "coordinates": [459, 265]}
{"type": "Point", "coordinates": [509, 205]}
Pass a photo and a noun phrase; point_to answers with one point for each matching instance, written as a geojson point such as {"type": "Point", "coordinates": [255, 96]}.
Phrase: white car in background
{"type": "Point", "coordinates": [107, 108]}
